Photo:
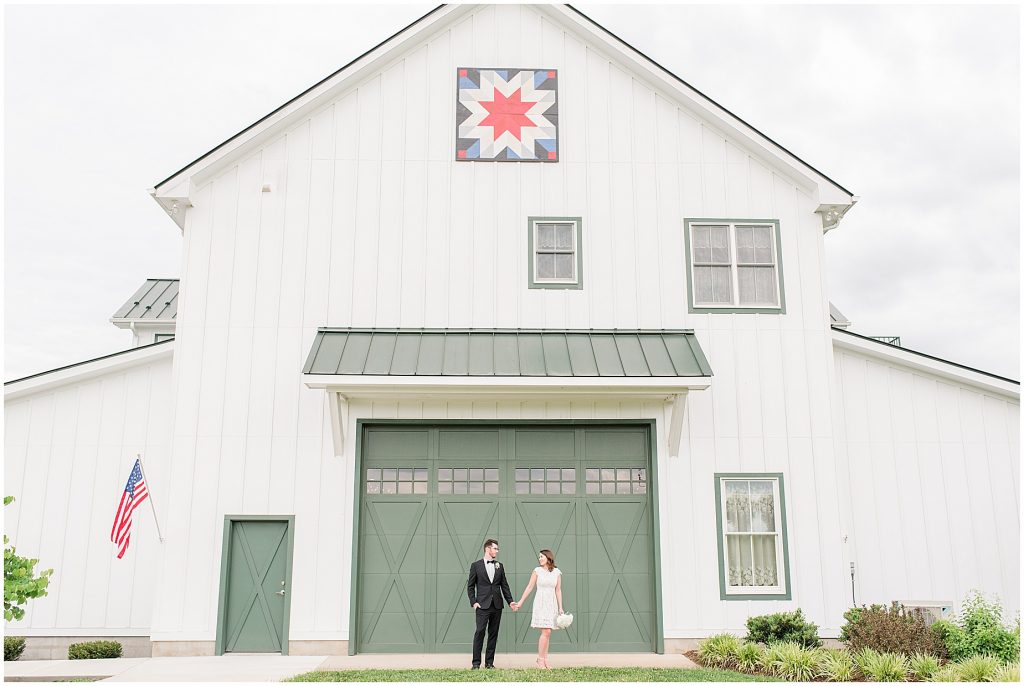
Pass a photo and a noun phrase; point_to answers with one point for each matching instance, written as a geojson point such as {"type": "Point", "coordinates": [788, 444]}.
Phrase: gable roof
{"type": "Point", "coordinates": [175, 188]}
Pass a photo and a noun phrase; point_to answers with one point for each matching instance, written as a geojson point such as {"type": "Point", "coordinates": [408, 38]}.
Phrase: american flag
{"type": "Point", "coordinates": [135, 492]}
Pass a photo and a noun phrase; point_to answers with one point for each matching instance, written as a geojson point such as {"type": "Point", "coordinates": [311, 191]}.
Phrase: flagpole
{"type": "Point", "coordinates": [150, 498]}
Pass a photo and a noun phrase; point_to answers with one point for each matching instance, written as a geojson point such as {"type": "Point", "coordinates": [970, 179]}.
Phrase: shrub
{"type": "Point", "coordinates": [878, 666]}
{"type": "Point", "coordinates": [783, 626]}
{"type": "Point", "coordinates": [924, 666]}
{"type": "Point", "coordinates": [852, 616]}
{"type": "Point", "coordinates": [748, 656]}
{"type": "Point", "coordinates": [93, 650]}
{"type": "Point", "coordinates": [797, 663]}
{"type": "Point", "coordinates": [978, 668]}
{"type": "Point", "coordinates": [14, 646]}
{"type": "Point", "coordinates": [719, 651]}
{"type": "Point", "coordinates": [891, 629]}
{"type": "Point", "coordinates": [979, 630]}
{"type": "Point", "coordinates": [1007, 673]}
{"type": "Point", "coordinates": [836, 665]}
{"type": "Point", "coordinates": [21, 583]}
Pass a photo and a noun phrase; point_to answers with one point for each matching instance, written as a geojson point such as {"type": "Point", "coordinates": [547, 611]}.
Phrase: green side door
{"type": "Point", "coordinates": [255, 586]}
{"type": "Point", "coordinates": [430, 496]}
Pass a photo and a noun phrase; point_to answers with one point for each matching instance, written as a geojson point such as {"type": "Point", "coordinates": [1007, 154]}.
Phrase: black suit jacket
{"type": "Point", "coordinates": [482, 590]}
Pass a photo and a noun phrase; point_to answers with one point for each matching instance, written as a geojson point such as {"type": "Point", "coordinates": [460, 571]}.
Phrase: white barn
{"type": "Point", "coordinates": [491, 309]}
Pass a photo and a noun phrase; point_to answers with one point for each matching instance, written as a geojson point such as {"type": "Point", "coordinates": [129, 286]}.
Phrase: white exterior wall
{"type": "Point", "coordinates": [370, 222]}
{"type": "Point", "coordinates": [68, 451]}
{"type": "Point", "coordinates": [931, 475]}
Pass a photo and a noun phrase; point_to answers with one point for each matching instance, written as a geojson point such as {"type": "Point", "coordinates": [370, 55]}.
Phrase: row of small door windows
{"type": "Point", "coordinates": [730, 264]}
{"type": "Point", "coordinates": [486, 481]}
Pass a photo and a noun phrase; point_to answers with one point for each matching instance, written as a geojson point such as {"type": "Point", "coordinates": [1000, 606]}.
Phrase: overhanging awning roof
{"type": "Point", "coordinates": [504, 363]}
{"type": "Point", "coordinates": [590, 353]}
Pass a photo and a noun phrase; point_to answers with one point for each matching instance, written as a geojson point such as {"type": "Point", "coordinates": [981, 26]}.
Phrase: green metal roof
{"type": "Point", "coordinates": [156, 300]}
{"type": "Point", "coordinates": [507, 352]}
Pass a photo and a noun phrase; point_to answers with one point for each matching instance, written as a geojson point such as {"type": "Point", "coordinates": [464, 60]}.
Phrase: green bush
{"type": "Point", "coordinates": [978, 668]}
{"type": "Point", "coordinates": [878, 666]}
{"type": "Point", "coordinates": [836, 665]}
{"type": "Point", "coordinates": [979, 630]}
{"type": "Point", "coordinates": [923, 666]}
{"type": "Point", "coordinates": [788, 627]}
{"type": "Point", "coordinates": [92, 650]}
{"type": "Point", "coordinates": [14, 646]}
{"type": "Point", "coordinates": [1008, 673]}
{"type": "Point", "coordinates": [891, 629]}
{"type": "Point", "coordinates": [797, 663]}
{"type": "Point", "coordinates": [719, 651]}
{"type": "Point", "coordinates": [748, 656]}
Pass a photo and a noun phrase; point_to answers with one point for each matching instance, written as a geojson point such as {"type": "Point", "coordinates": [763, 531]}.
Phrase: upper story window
{"type": "Point", "coordinates": [556, 252]}
{"type": "Point", "coordinates": [734, 266]}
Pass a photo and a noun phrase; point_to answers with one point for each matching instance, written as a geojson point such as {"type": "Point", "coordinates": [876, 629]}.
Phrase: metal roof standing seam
{"type": "Point", "coordinates": [497, 352]}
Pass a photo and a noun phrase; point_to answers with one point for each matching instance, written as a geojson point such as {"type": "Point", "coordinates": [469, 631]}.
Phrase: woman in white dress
{"type": "Point", "coordinates": [548, 603]}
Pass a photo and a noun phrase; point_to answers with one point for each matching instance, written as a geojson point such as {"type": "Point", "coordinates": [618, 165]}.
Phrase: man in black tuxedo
{"type": "Point", "coordinates": [486, 577]}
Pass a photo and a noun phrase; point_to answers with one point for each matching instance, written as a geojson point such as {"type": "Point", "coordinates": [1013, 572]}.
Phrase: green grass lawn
{"type": "Point", "coordinates": [568, 674]}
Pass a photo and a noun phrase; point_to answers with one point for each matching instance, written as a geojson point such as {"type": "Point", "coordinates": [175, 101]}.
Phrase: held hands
{"type": "Point", "coordinates": [515, 606]}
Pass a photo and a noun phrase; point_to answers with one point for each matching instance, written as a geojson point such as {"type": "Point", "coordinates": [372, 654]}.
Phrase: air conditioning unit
{"type": "Point", "coordinates": [933, 610]}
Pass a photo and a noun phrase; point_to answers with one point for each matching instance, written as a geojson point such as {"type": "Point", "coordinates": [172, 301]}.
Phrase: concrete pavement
{"type": "Point", "coordinates": [263, 667]}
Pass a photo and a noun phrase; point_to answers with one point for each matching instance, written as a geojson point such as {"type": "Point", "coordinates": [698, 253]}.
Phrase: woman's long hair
{"type": "Point", "coordinates": [551, 558]}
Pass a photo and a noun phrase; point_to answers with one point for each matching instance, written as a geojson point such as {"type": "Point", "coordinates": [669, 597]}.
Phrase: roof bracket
{"type": "Point", "coordinates": [675, 425]}
{"type": "Point", "coordinates": [338, 404]}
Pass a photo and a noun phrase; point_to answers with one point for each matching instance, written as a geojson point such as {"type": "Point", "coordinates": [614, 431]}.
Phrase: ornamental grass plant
{"type": "Point", "coordinates": [836, 665]}
{"type": "Point", "coordinates": [719, 651]}
{"type": "Point", "coordinates": [748, 656]}
{"type": "Point", "coordinates": [923, 666]}
{"type": "Point", "coordinates": [797, 663]}
{"type": "Point", "coordinates": [876, 666]}
{"type": "Point", "coordinates": [1008, 673]}
{"type": "Point", "coordinates": [978, 668]}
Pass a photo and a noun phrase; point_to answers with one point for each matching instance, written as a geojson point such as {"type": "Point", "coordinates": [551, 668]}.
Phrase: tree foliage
{"type": "Point", "coordinates": [20, 580]}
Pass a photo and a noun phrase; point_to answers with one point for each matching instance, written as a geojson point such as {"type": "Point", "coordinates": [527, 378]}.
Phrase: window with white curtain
{"type": "Point", "coordinates": [752, 539]}
{"type": "Point", "coordinates": [734, 266]}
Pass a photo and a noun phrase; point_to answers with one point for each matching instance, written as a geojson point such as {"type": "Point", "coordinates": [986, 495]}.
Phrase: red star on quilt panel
{"type": "Point", "coordinates": [507, 115]}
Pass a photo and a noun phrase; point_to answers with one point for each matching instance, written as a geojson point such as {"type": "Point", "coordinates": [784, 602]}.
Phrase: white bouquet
{"type": "Point", "coordinates": [564, 620]}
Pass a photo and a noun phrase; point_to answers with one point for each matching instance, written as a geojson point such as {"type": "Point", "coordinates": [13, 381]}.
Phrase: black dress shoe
{"type": "Point", "coordinates": [490, 666]}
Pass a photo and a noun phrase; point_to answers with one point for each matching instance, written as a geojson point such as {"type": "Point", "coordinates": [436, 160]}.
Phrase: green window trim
{"type": "Point", "coordinates": [787, 589]}
{"type": "Point", "coordinates": [733, 308]}
{"type": "Point", "coordinates": [531, 231]}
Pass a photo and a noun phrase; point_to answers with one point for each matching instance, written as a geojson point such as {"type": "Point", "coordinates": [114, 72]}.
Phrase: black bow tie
{"type": "Point", "coordinates": [491, 562]}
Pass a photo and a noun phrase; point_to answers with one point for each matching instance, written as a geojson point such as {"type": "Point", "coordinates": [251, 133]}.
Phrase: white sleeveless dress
{"type": "Point", "coordinates": [545, 604]}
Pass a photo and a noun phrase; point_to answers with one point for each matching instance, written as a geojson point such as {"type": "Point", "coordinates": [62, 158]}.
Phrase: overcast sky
{"type": "Point", "coordinates": [913, 108]}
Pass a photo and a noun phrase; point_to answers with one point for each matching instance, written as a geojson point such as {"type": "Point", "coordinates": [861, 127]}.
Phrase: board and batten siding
{"type": "Point", "coordinates": [68, 451]}
{"type": "Point", "coordinates": [369, 221]}
{"type": "Point", "coordinates": [931, 470]}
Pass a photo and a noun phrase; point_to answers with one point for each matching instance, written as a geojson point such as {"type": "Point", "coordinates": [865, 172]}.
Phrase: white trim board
{"type": "Point", "coordinates": [921, 362]}
{"type": "Point", "coordinates": [82, 371]}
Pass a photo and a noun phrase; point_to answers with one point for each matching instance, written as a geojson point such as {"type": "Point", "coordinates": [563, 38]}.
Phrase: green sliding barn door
{"type": "Point", "coordinates": [431, 495]}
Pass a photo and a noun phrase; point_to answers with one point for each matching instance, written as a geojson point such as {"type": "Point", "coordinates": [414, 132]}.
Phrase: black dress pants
{"type": "Point", "coordinates": [488, 620]}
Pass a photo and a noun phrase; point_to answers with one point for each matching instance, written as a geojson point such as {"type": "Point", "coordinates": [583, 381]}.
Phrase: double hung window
{"type": "Point", "coordinates": [734, 266]}
{"type": "Point", "coordinates": [752, 541]}
{"type": "Point", "coordinates": [556, 258]}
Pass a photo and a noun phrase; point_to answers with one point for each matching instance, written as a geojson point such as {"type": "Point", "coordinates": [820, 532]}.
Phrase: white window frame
{"type": "Point", "coordinates": [734, 266]}
{"type": "Point", "coordinates": [780, 553]}
{"type": "Point", "coordinates": [535, 228]}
